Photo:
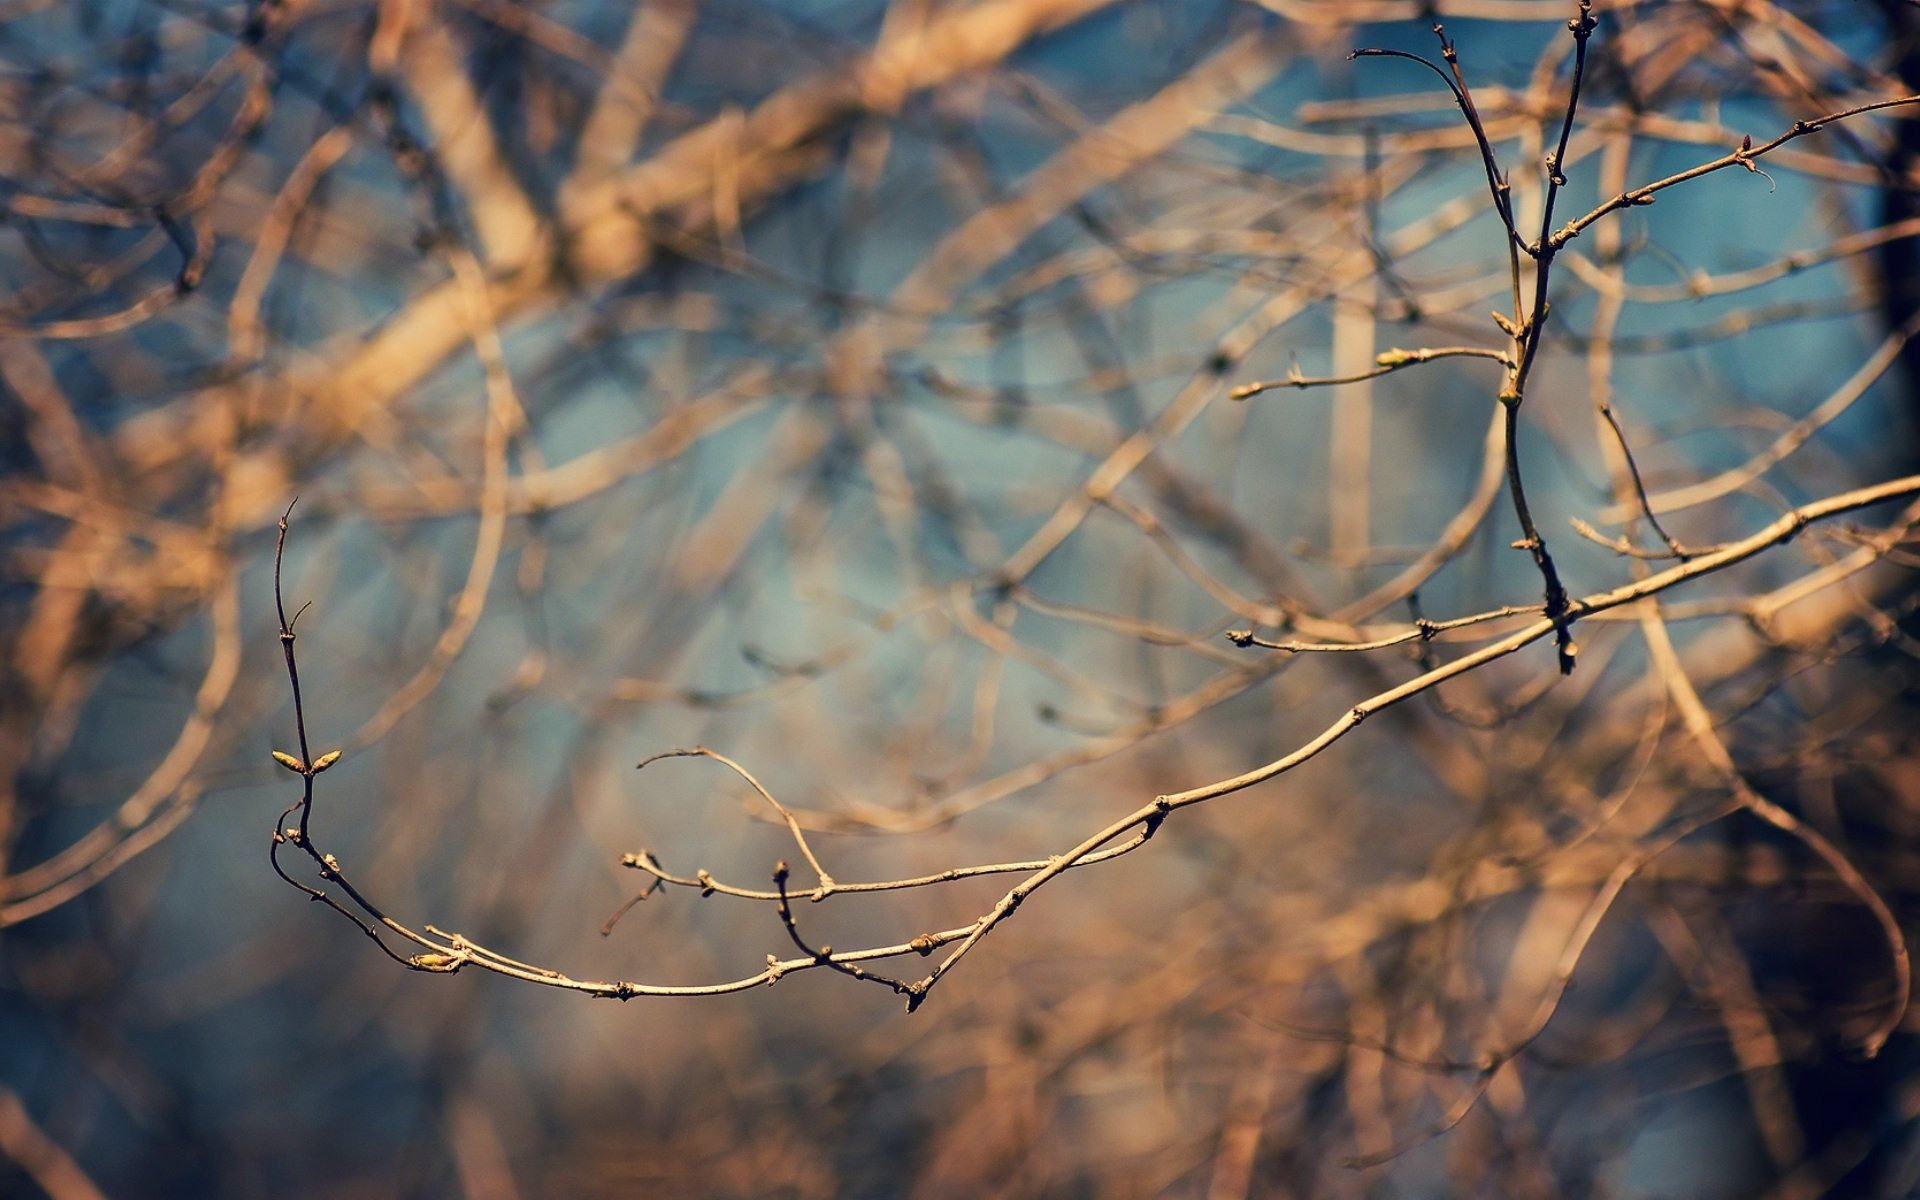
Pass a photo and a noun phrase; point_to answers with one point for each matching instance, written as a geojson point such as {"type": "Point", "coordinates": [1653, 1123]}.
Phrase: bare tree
{"type": "Point", "coordinates": [1048, 457]}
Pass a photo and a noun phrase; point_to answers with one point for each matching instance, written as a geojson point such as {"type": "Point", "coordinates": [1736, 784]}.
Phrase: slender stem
{"type": "Point", "coordinates": [293, 671]}
{"type": "Point", "coordinates": [1536, 546]}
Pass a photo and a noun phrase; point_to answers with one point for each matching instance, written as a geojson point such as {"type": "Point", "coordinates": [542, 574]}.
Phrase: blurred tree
{"type": "Point", "coordinates": [1013, 434]}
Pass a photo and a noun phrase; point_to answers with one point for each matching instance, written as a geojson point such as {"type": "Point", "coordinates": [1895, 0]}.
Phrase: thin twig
{"type": "Point", "coordinates": [1386, 364]}
{"type": "Point", "coordinates": [827, 886]}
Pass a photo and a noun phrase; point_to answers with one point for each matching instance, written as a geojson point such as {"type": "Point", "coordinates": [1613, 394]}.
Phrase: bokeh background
{"type": "Point", "coordinates": [845, 387]}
